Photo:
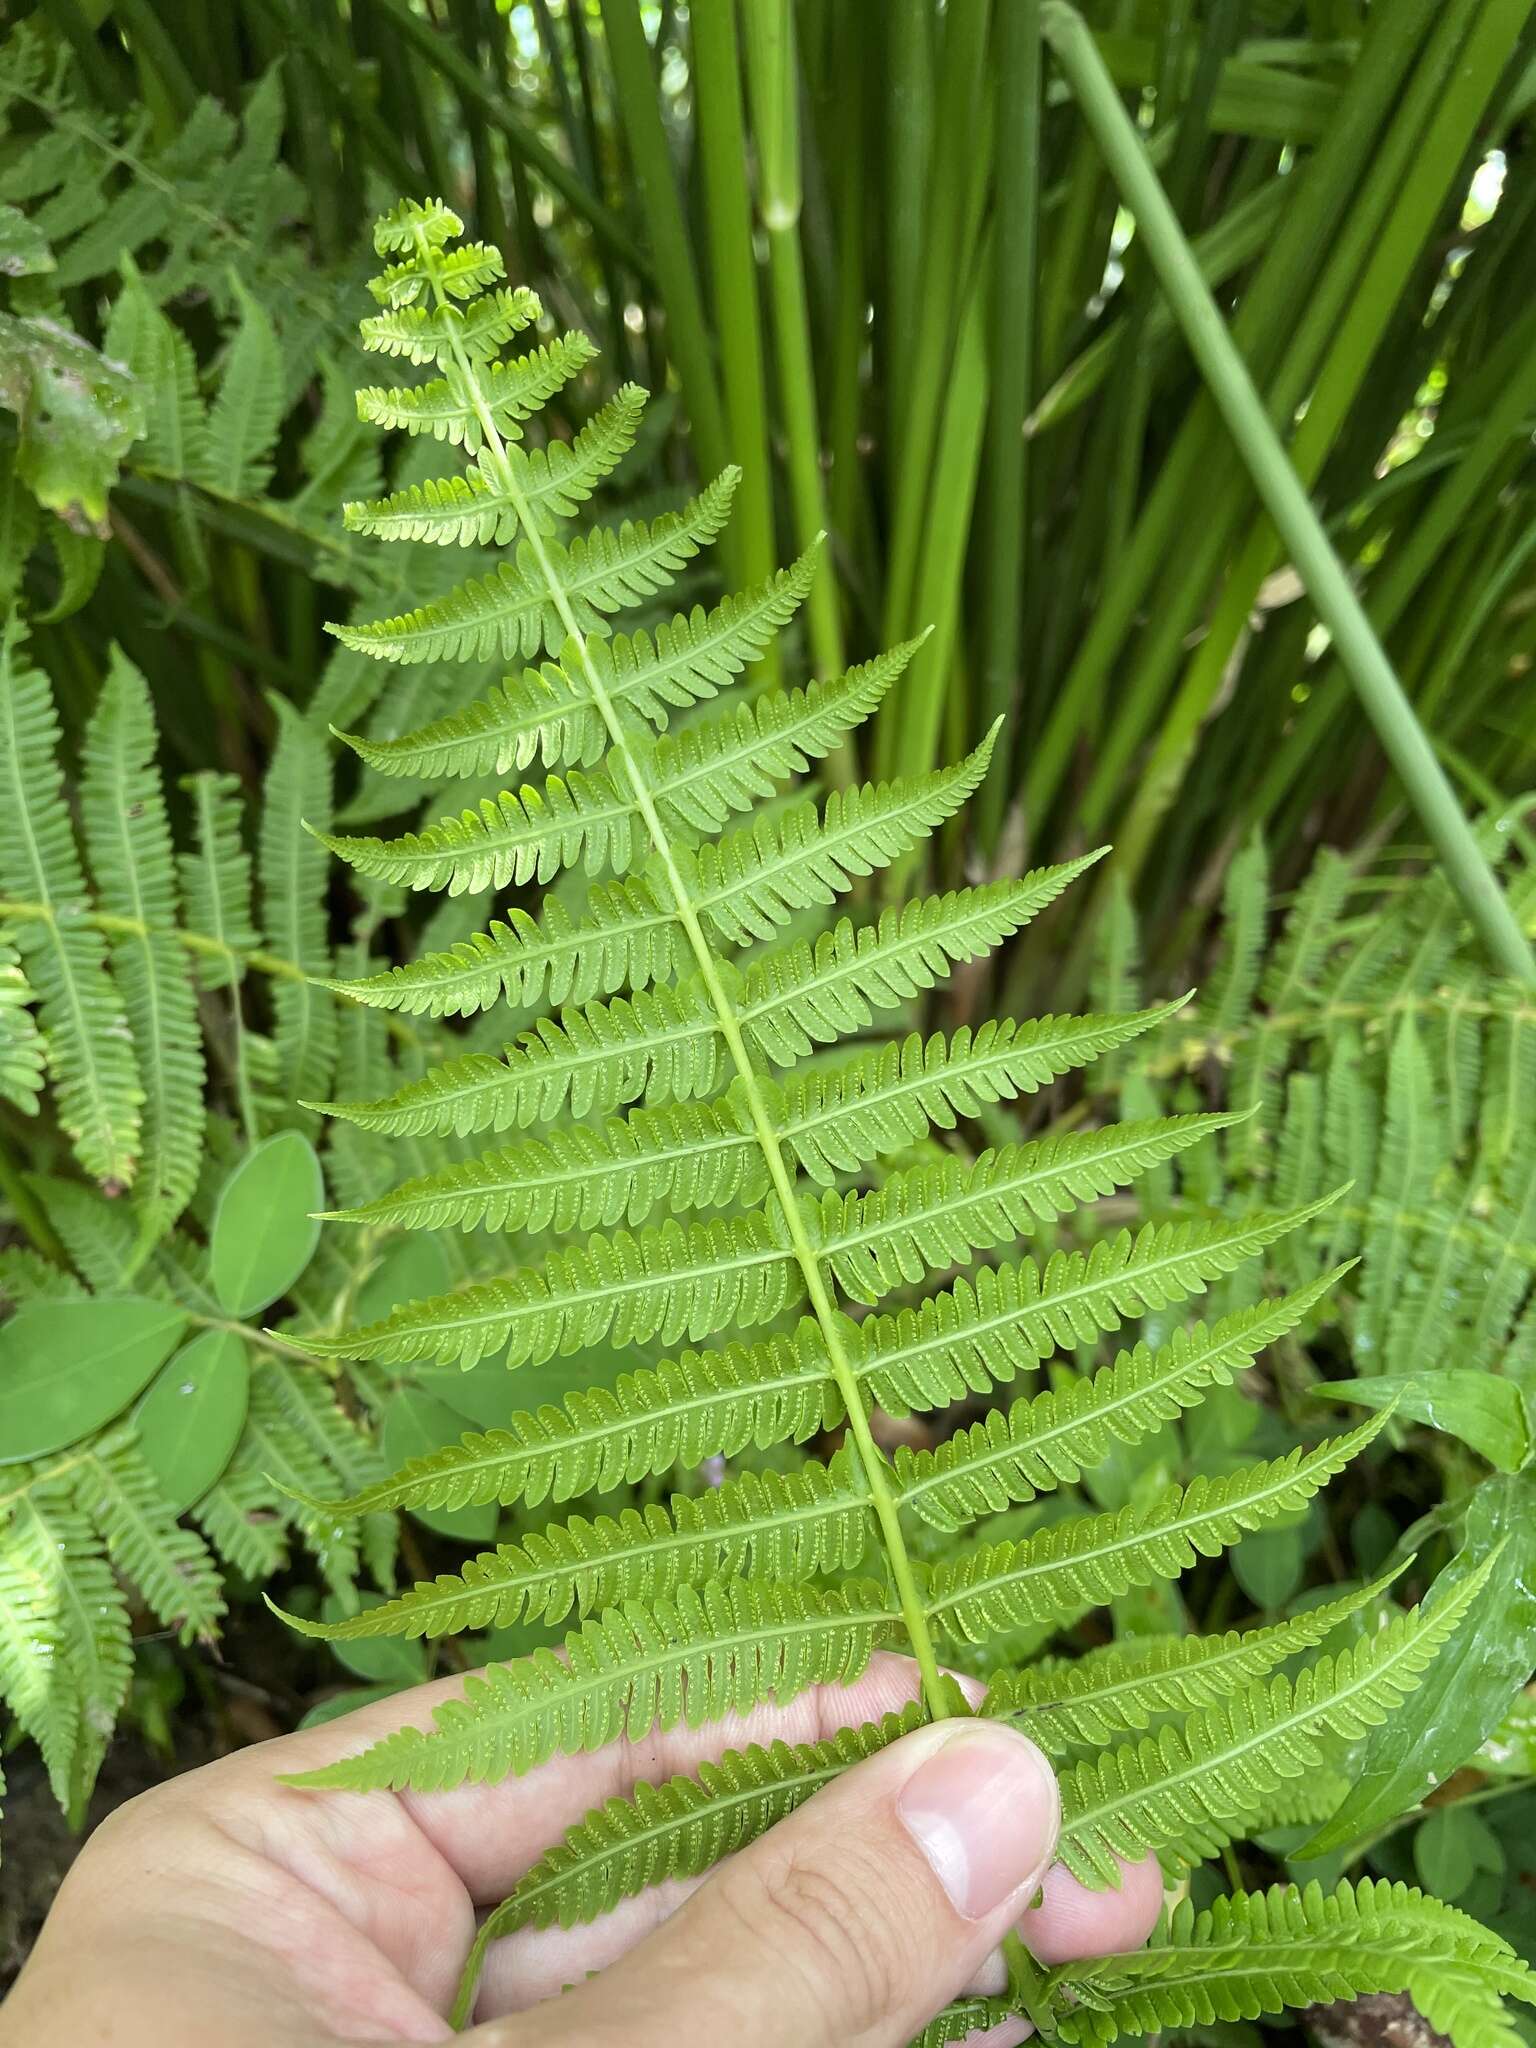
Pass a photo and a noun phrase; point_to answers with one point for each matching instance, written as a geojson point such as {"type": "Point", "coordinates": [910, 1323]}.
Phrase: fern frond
{"type": "Point", "coordinates": [839, 1119]}
{"type": "Point", "coordinates": [90, 1053]}
{"type": "Point", "coordinates": [1049, 1440]}
{"type": "Point", "coordinates": [987, 1330]}
{"type": "Point", "coordinates": [128, 839]}
{"type": "Point", "coordinates": [780, 1528]}
{"type": "Point", "coordinates": [664, 1283]}
{"type": "Point", "coordinates": [1257, 1953]}
{"type": "Point", "coordinates": [23, 1056]}
{"type": "Point", "coordinates": [1072, 1566]}
{"type": "Point", "coordinates": [627, 938]}
{"type": "Point", "coordinates": [473, 510]}
{"type": "Point", "coordinates": [661, 1044]}
{"type": "Point", "coordinates": [1067, 1703]}
{"type": "Point", "coordinates": [1188, 1791]}
{"type": "Point", "coordinates": [510, 612]}
{"type": "Point", "coordinates": [684, 1827]}
{"type": "Point", "coordinates": [168, 1563]}
{"type": "Point", "coordinates": [930, 1217]}
{"type": "Point", "coordinates": [544, 713]}
{"type": "Point", "coordinates": [510, 392]}
{"type": "Point", "coordinates": [216, 878]}
{"type": "Point", "coordinates": [749, 883]}
{"type": "Point", "coordinates": [696, 1659]}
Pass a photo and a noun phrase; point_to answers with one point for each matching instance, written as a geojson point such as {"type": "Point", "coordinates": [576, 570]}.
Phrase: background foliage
{"type": "Point", "coordinates": [827, 241]}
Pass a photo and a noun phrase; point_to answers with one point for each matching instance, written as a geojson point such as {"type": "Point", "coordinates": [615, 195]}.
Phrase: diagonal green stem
{"type": "Point", "coordinates": [1284, 497]}
{"type": "Point", "coordinates": [875, 1469]}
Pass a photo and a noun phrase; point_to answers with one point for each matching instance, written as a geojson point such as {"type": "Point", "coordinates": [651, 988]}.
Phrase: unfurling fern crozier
{"type": "Point", "coordinates": [782, 1233]}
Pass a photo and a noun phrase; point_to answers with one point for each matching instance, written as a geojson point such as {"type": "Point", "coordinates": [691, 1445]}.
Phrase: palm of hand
{"type": "Point", "coordinates": [255, 1913]}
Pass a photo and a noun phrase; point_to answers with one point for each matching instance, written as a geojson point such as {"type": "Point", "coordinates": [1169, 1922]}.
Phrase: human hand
{"type": "Point", "coordinates": [226, 1907]}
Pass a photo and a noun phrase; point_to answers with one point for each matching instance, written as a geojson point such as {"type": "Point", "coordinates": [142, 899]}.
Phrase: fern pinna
{"type": "Point", "coordinates": [730, 1181]}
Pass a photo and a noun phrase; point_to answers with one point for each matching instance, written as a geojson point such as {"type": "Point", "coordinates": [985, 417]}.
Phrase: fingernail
{"type": "Point", "coordinates": [985, 1810]}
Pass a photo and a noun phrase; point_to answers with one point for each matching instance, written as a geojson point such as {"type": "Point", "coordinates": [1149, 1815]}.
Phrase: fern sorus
{"type": "Point", "coordinates": [723, 1164]}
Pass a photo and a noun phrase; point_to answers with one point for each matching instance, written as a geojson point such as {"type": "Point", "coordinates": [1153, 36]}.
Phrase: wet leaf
{"type": "Point", "coordinates": [190, 1419]}
{"type": "Point", "coordinates": [1486, 1412]}
{"type": "Point", "coordinates": [79, 413]}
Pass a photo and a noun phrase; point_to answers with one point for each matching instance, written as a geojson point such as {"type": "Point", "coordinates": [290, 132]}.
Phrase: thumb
{"type": "Point", "coordinates": [855, 1919]}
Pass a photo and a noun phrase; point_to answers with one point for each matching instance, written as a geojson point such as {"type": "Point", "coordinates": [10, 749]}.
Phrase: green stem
{"type": "Point", "coordinates": [874, 1465]}
{"type": "Point", "coordinates": [733, 275]}
{"type": "Point", "coordinates": [687, 334]}
{"type": "Point", "coordinates": [773, 78]}
{"type": "Point", "coordinates": [1015, 258]}
{"type": "Point", "coordinates": [1284, 497]}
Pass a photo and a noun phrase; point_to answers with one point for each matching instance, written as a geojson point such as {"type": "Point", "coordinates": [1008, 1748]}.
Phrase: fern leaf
{"type": "Point", "coordinates": [216, 879]}
{"type": "Point", "coordinates": [780, 1528]}
{"type": "Point", "coordinates": [544, 713]}
{"type": "Point", "coordinates": [804, 995]}
{"type": "Point", "coordinates": [750, 882]}
{"type": "Point", "coordinates": [683, 1828]}
{"type": "Point", "coordinates": [1083, 1702]}
{"type": "Point", "coordinates": [169, 1564]}
{"type": "Point", "coordinates": [690, 1157]}
{"type": "Point", "coordinates": [931, 1217]}
{"type": "Point", "coordinates": [293, 874]}
{"type": "Point", "coordinates": [1007, 1319]}
{"type": "Point", "coordinates": [628, 937]}
{"type": "Point", "coordinates": [664, 1284]}
{"type": "Point", "coordinates": [1072, 1566]}
{"type": "Point", "coordinates": [128, 838]}
{"type": "Point", "coordinates": [661, 1044]}
{"type": "Point", "coordinates": [637, 1669]}
{"type": "Point", "coordinates": [679, 1413]}
{"type": "Point", "coordinates": [234, 454]}
{"type": "Point", "coordinates": [94, 1654]}
{"type": "Point", "coordinates": [23, 1056]}
{"type": "Point", "coordinates": [90, 1056]}
{"type": "Point", "coordinates": [1186, 1792]}
{"type": "Point", "coordinates": [1258, 1953]}
{"type": "Point", "coordinates": [510, 613]}
{"type": "Point", "coordinates": [837, 1121]}
{"type": "Point", "coordinates": [164, 366]}
{"type": "Point", "coordinates": [1049, 1440]}
{"type": "Point", "coordinates": [472, 509]}
{"type": "Point", "coordinates": [510, 391]}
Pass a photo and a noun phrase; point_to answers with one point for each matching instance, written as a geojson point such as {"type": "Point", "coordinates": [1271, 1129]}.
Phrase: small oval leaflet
{"type": "Point", "coordinates": [67, 1367]}
{"type": "Point", "coordinates": [191, 1418]}
{"type": "Point", "coordinates": [264, 1229]}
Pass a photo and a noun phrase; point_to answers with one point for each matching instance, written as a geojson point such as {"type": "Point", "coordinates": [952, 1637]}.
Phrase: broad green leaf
{"type": "Point", "coordinates": [1451, 1847]}
{"type": "Point", "coordinates": [264, 1229]}
{"type": "Point", "coordinates": [1484, 1411]}
{"type": "Point", "coordinates": [416, 1424]}
{"type": "Point", "coordinates": [79, 415]}
{"type": "Point", "coordinates": [1469, 1688]}
{"type": "Point", "coordinates": [190, 1420]}
{"type": "Point", "coordinates": [387, 1661]}
{"type": "Point", "coordinates": [67, 1367]}
{"type": "Point", "coordinates": [1269, 1564]}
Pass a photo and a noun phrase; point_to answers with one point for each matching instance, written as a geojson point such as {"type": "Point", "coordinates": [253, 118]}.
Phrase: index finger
{"type": "Point", "coordinates": [491, 1835]}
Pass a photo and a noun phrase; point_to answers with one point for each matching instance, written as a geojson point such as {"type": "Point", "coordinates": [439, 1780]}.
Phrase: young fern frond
{"type": "Point", "coordinates": [662, 1109]}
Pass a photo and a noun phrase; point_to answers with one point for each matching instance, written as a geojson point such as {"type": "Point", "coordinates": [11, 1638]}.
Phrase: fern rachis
{"type": "Point", "coordinates": [770, 1581]}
